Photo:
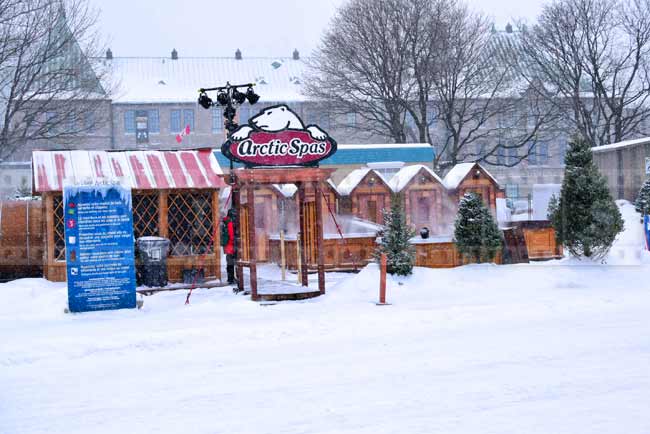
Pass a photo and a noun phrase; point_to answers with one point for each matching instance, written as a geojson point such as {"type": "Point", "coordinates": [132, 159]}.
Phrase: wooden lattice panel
{"type": "Point", "coordinates": [145, 215]}
{"type": "Point", "coordinates": [59, 228]}
{"type": "Point", "coordinates": [190, 223]}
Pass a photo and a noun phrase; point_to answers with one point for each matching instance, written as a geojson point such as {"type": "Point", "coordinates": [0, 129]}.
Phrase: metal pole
{"type": "Point", "coordinates": [283, 258]}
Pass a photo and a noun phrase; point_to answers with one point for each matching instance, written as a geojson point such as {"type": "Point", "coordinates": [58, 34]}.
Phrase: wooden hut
{"type": "Point", "coordinates": [423, 194]}
{"type": "Point", "coordinates": [365, 194]}
{"type": "Point", "coordinates": [175, 194]}
{"type": "Point", "coordinates": [472, 177]}
{"type": "Point", "coordinates": [21, 239]}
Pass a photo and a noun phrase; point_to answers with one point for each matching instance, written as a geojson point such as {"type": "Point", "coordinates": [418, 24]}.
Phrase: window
{"type": "Point", "coordinates": [532, 155]}
{"type": "Point", "coordinates": [51, 120]}
{"type": "Point", "coordinates": [89, 121]}
{"type": "Point", "coordinates": [512, 190]}
{"type": "Point", "coordinates": [513, 156]}
{"type": "Point", "coordinates": [351, 119]}
{"type": "Point", "coordinates": [542, 153]}
{"type": "Point", "coordinates": [480, 150]}
{"type": "Point", "coordinates": [188, 119]}
{"type": "Point", "coordinates": [501, 155]}
{"type": "Point", "coordinates": [71, 123]}
{"type": "Point", "coordinates": [217, 120]}
{"type": "Point", "coordinates": [175, 121]}
{"type": "Point", "coordinates": [324, 121]}
{"type": "Point", "coordinates": [244, 115]}
{"type": "Point", "coordinates": [129, 121]}
{"type": "Point", "coordinates": [562, 148]}
{"type": "Point", "coordinates": [154, 121]}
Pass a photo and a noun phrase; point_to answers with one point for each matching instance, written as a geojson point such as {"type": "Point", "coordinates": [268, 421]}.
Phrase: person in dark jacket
{"type": "Point", "coordinates": [228, 243]}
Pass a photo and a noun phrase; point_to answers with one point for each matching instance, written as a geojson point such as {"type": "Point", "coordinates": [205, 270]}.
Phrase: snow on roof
{"type": "Point", "coordinates": [143, 170]}
{"type": "Point", "coordinates": [619, 145]}
{"type": "Point", "coordinates": [350, 182]}
{"type": "Point", "coordinates": [405, 174]}
{"type": "Point", "coordinates": [460, 171]}
{"type": "Point", "coordinates": [287, 190]}
{"type": "Point", "coordinates": [161, 79]}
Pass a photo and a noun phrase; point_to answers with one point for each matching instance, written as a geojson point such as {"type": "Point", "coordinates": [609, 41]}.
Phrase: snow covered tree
{"type": "Point", "coordinates": [585, 217]}
{"type": "Point", "coordinates": [395, 240]}
{"type": "Point", "coordinates": [642, 204]}
{"type": "Point", "coordinates": [476, 234]}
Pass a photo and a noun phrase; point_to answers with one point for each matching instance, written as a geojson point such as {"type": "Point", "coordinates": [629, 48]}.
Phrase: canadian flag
{"type": "Point", "coordinates": [185, 132]}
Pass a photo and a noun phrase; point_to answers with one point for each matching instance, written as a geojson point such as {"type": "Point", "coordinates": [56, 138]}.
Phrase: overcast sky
{"type": "Point", "coordinates": [258, 27]}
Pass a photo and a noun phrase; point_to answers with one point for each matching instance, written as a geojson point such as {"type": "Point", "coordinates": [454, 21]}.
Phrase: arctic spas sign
{"type": "Point", "coordinates": [276, 136]}
{"type": "Point", "coordinates": [99, 247]}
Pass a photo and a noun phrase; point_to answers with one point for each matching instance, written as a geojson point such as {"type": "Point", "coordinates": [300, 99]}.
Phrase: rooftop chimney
{"type": "Point", "coordinates": [174, 54]}
{"type": "Point", "coordinates": [508, 28]}
{"type": "Point", "coordinates": [296, 54]}
{"type": "Point", "coordinates": [238, 54]}
{"type": "Point", "coordinates": [109, 54]}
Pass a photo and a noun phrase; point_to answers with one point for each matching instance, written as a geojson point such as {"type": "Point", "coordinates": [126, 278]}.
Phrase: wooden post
{"type": "Point", "coordinates": [382, 280]}
{"type": "Point", "coordinates": [283, 258]}
{"type": "Point", "coordinates": [252, 250]}
{"type": "Point", "coordinates": [303, 229]}
{"type": "Point", "coordinates": [163, 225]}
{"type": "Point", "coordinates": [216, 240]}
{"type": "Point", "coordinates": [298, 261]}
{"type": "Point", "coordinates": [236, 203]}
{"type": "Point", "coordinates": [319, 237]}
{"type": "Point", "coordinates": [49, 236]}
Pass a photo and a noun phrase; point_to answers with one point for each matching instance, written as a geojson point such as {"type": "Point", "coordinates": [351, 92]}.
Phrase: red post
{"type": "Point", "coordinates": [382, 279]}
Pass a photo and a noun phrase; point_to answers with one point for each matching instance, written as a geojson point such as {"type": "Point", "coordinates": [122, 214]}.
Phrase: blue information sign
{"type": "Point", "coordinates": [99, 247]}
{"type": "Point", "coordinates": [646, 230]}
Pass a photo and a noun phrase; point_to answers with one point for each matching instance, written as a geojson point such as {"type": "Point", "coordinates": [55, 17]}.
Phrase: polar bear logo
{"type": "Point", "coordinates": [275, 119]}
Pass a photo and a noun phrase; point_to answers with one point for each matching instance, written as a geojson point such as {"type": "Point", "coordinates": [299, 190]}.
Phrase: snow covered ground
{"type": "Point", "coordinates": [556, 347]}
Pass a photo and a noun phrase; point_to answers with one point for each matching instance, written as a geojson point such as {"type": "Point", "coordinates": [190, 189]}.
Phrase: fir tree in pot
{"type": "Point", "coordinates": [476, 234]}
{"type": "Point", "coordinates": [585, 217]}
{"type": "Point", "coordinates": [395, 240]}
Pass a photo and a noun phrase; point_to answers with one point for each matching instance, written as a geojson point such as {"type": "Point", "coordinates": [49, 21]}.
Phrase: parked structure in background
{"type": "Point", "coordinates": [626, 165]}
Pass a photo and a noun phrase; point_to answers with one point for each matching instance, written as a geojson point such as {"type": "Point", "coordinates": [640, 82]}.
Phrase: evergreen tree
{"type": "Point", "coordinates": [642, 204]}
{"type": "Point", "coordinates": [395, 240]}
{"type": "Point", "coordinates": [585, 217]}
{"type": "Point", "coordinates": [476, 234]}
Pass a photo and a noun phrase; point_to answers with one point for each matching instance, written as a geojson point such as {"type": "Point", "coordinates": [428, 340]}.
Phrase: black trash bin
{"type": "Point", "coordinates": [152, 254]}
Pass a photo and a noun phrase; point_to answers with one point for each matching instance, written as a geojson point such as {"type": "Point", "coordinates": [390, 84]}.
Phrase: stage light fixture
{"type": "Point", "coordinates": [222, 98]}
{"type": "Point", "coordinates": [238, 97]}
{"type": "Point", "coordinates": [205, 101]}
{"type": "Point", "coordinates": [252, 96]}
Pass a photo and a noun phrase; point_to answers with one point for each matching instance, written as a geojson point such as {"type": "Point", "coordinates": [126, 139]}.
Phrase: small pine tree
{"type": "Point", "coordinates": [585, 217]}
{"type": "Point", "coordinates": [476, 234]}
{"type": "Point", "coordinates": [395, 240]}
{"type": "Point", "coordinates": [642, 204]}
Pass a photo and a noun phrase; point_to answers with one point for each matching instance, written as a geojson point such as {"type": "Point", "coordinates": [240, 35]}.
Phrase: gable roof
{"type": "Point", "coordinates": [460, 171]}
{"type": "Point", "coordinates": [352, 180]}
{"type": "Point", "coordinates": [404, 176]}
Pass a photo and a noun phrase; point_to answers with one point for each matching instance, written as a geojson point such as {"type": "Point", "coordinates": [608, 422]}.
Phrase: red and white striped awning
{"type": "Point", "coordinates": [144, 170]}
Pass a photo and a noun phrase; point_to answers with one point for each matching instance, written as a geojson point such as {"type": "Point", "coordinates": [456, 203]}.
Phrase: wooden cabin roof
{"type": "Point", "coordinates": [143, 170]}
{"type": "Point", "coordinates": [352, 180]}
{"type": "Point", "coordinates": [459, 172]}
{"type": "Point", "coordinates": [405, 175]}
